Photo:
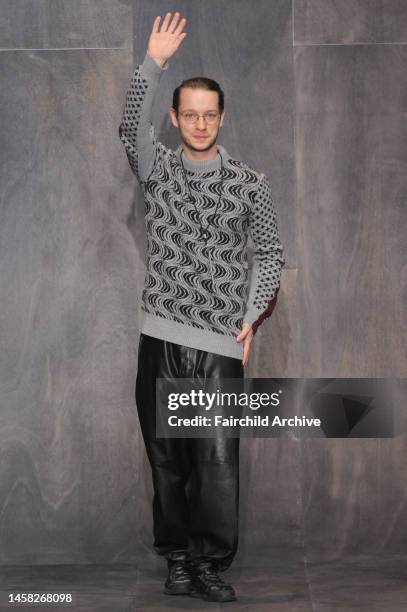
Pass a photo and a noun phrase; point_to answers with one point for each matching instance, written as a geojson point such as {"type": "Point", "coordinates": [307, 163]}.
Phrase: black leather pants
{"type": "Point", "coordinates": [196, 480]}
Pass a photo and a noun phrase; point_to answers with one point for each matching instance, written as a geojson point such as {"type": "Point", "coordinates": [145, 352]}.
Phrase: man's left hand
{"type": "Point", "coordinates": [246, 334]}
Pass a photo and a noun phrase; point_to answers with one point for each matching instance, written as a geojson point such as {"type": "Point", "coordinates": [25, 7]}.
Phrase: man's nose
{"type": "Point", "coordinates": [201, 122]}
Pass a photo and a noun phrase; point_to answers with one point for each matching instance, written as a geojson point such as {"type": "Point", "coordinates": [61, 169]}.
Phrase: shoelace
{"type": "Point", "coordinates": [179, 570]}
{"type": "Point", "coordinates": [209, 576]}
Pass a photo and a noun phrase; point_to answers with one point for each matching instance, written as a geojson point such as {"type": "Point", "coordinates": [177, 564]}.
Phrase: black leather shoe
{"type": "Point", "coordinates": [179, 578]}
{"type": "Point", "coordinates": [208, 585]}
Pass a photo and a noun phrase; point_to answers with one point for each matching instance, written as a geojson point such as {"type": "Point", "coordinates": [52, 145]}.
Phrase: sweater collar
{"type": "Point", "coordinates": [203, 166]}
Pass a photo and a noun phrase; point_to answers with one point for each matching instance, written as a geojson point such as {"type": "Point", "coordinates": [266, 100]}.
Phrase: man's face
{"type": "Point", "coordinates": [200, 135]}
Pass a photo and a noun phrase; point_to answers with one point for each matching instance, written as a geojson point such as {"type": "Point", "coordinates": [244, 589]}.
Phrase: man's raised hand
{"type": "Point", "coordinates": [165, 41]}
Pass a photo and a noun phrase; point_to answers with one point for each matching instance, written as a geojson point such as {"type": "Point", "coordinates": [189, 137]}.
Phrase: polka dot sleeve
{"type": "Point", "coordinates": [268, 257]}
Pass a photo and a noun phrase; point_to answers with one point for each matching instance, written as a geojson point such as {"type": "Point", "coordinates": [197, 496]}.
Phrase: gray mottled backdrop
{"type": "Point", "coordinates": [316, 97]}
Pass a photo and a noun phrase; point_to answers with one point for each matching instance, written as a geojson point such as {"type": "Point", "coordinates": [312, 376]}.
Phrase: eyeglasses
{"type": "Point", "coordinates": [190, 117]}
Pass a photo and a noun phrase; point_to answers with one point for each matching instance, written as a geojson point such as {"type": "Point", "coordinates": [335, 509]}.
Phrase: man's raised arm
{"type": "Point", "coordinates": [136, 130]}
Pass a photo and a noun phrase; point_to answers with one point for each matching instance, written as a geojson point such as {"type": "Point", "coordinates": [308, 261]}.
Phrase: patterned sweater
{"type": "Point", "coordinates": [197, 290]}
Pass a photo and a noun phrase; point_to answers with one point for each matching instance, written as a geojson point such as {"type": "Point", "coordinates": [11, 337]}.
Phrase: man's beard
{"type": "Point", "coordinates": [194, 148]}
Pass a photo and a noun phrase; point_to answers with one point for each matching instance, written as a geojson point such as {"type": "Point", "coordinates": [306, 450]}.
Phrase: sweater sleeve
{"type": "Point", "coordinates": [136, 130]}
{"type": "Point", "coordinates": [268, 257]}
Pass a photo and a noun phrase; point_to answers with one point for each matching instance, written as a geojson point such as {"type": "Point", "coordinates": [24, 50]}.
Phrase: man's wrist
{"type": "Point", "coordinates": [158, 60]}
{"type": "Point", "coordinates": [151, 70]}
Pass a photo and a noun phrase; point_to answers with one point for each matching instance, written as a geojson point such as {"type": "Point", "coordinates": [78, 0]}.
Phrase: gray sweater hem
{"type": "Point", "coordinates": [187, 335]}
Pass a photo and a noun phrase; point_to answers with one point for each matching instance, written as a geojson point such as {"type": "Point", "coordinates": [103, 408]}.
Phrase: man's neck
{"type": "Point", "coordinates": [200, 156]}
{"type": "Point", "coordinates": [206, 165]}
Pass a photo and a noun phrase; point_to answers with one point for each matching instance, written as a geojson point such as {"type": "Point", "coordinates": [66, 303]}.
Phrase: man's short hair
{"type": "Point", "coordinates": [199, 83]}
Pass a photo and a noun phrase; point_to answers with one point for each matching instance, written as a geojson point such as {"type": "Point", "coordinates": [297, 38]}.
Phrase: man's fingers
{"type": "Point", "coordinates": [166, 21]}
{"type": "Point", "coordinates": [245, 353]}
{"type": "Point", "coordinates": [180, 27]}
{"type": "Point", "coordinates": [243, 334]}
{"type": "Point", "coordinates": [170, 24]}
{"type": "Point", "coordinates": [156, 24]}
{"type": "Point", "coordinates": [174, 22]}
{"type": "Point", "coordinates": [246, 349]}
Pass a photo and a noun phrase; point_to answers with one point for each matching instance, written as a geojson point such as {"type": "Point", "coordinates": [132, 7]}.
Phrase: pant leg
{"type": "Point", "coordinates": [214, 482]}
{"type": "Point", "coordinates": [167, 456]}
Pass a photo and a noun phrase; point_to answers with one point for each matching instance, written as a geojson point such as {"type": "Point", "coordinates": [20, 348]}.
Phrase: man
{"type": "Point", "coordinates": [199, 315]}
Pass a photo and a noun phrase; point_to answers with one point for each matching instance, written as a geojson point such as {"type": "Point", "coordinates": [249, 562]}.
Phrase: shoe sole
{"type": "Point", "coordinates": [214, 599]}
{"type": "Point", "coordinates": [182, 590]}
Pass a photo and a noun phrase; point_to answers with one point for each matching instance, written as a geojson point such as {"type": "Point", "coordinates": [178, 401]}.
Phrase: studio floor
{"type": "Point", "coordinates": [374, 584]}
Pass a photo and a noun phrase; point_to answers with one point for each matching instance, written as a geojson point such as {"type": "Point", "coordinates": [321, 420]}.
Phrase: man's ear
{"type": "Point", "coordinates": [173, 117]}
{"type": "Point", "coordinates": [221, 119]}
